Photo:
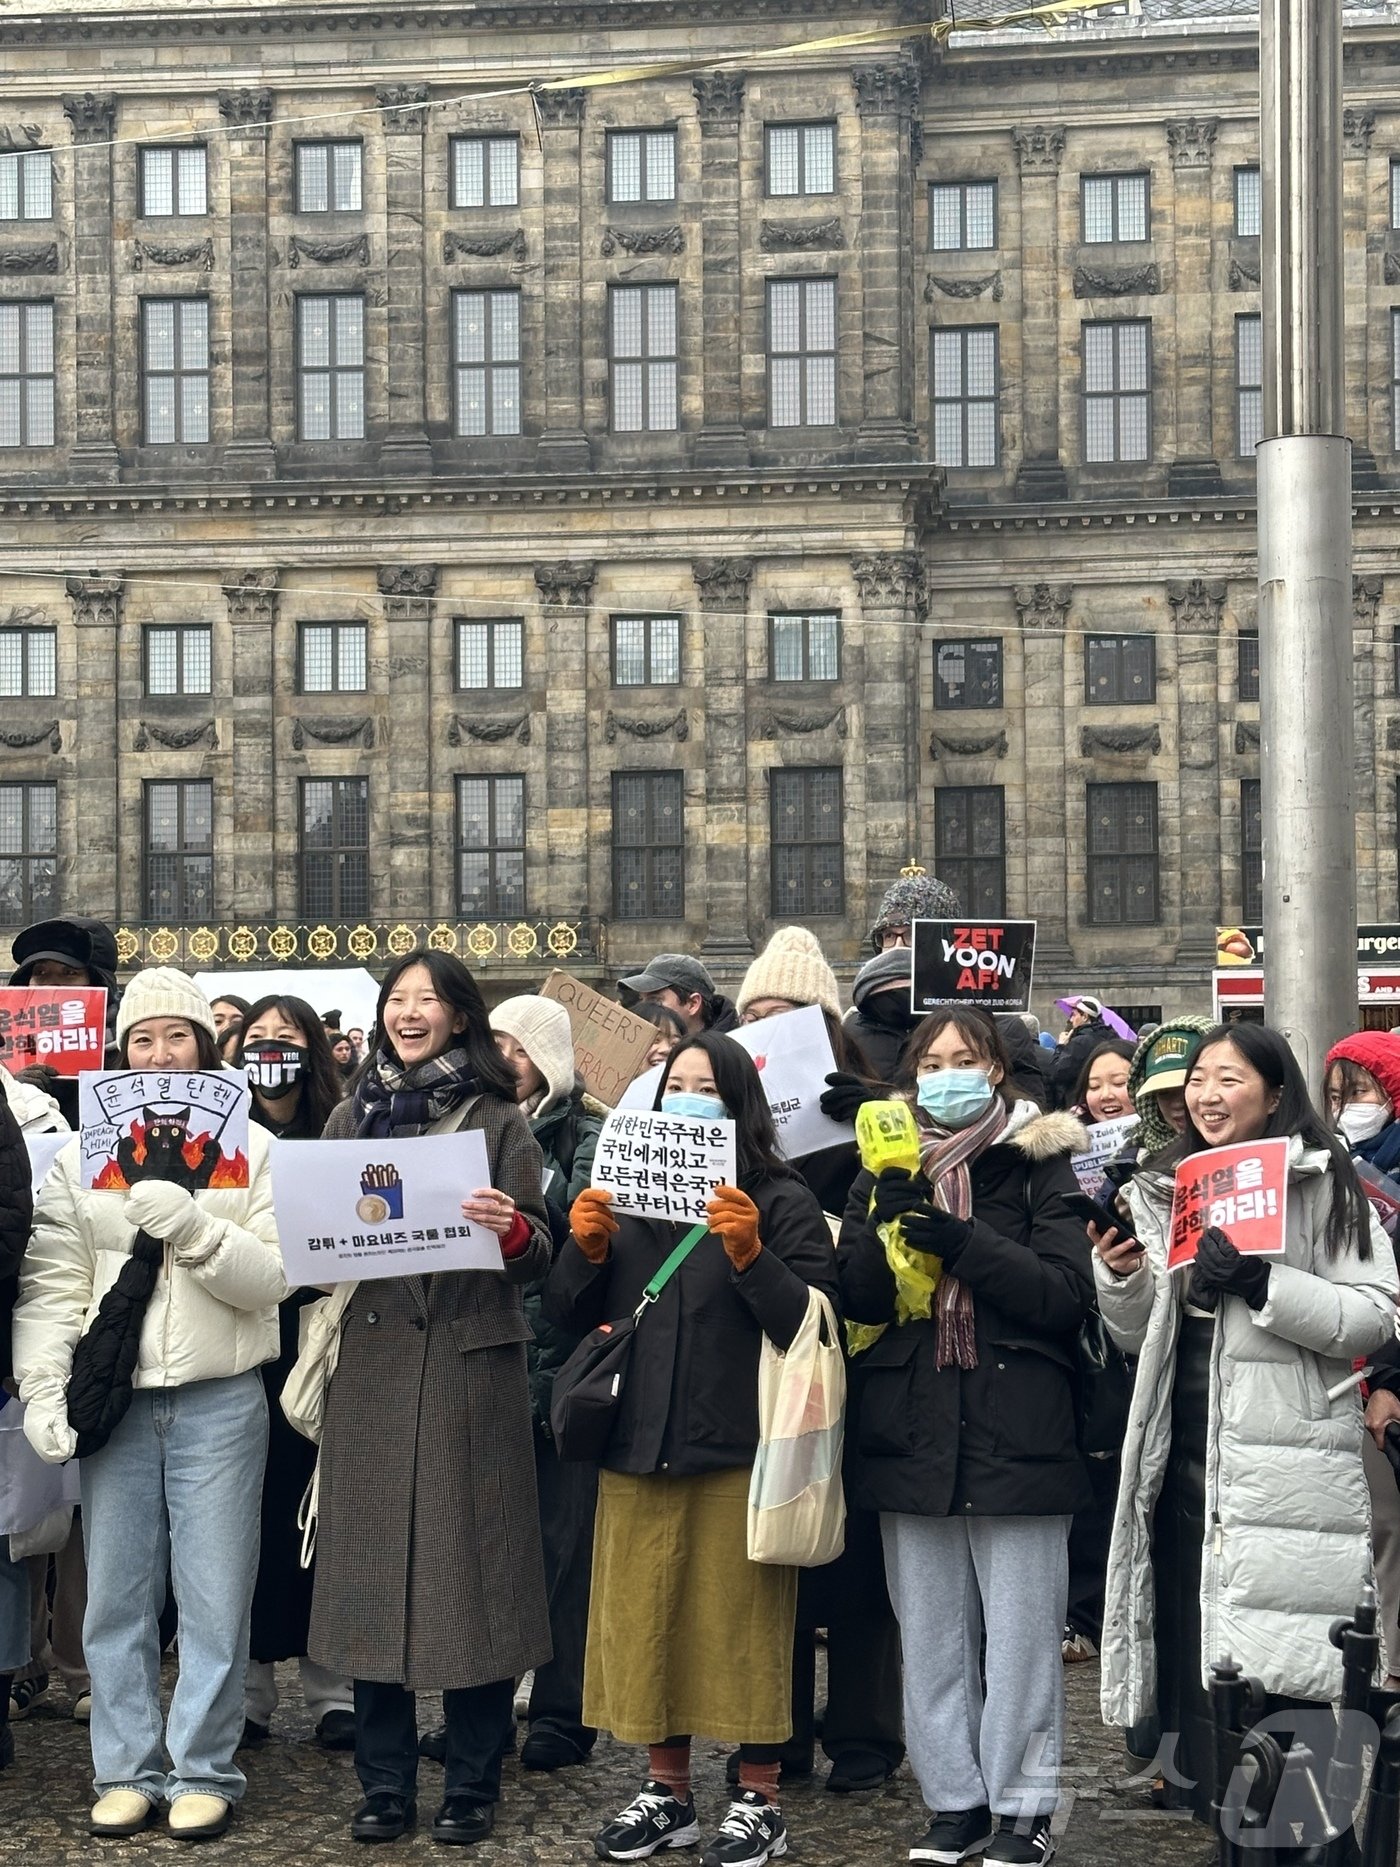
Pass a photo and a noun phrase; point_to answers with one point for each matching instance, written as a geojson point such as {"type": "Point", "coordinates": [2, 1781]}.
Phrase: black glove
{"type": "Point", "coordinates": [1219, 1266]}
{"type": "Point", "coordinates": [40, 1076]}
{"type": "Point", "coordinates": [846, 1096]}
{"type": "Point", "coordinates": [898, 1192]}
{"type": "Point", "coordinates": [937, 1232]}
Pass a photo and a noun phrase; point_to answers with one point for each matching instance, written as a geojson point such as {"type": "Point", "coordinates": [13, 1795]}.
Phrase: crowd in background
{"type": "Point", "coordinates": [1008, 1510]}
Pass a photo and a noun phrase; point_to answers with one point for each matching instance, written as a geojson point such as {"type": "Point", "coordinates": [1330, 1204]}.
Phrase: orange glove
{"type": "Point", "coordinates": [735, 1217]}
{"type": "Point", "coordinates": [592, 1223]}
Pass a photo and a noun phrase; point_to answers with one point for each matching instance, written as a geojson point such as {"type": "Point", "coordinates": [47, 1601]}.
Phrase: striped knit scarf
{"type": "Point", "coordinates": [947, 1163]}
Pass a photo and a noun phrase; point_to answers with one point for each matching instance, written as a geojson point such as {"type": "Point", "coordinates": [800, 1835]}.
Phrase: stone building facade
{"type": "Point", "coordinates": [537, 517]}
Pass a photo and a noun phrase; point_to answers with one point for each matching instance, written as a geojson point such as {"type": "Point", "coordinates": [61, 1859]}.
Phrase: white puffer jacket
{"type": "Point", "coordinates": [1288, 1522]}
{"type": "Point", "coordinates": [205, 1321]}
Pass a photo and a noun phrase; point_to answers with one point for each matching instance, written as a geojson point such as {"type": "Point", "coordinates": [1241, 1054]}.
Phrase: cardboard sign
{"type": "Point", "coordinates": [987, 966]}
{"type": "Point", "coordinates": [1242, 1189]}
{"type": "Point", "coordinates": [663, 1166]}
{"type": "Point", "coordinates": [1106, 1139]}
{"type": "Point", "coordinates": [188, 1127]}
{"type": "Point", "coordinates": [610, 1042]}
{"type": "Point", "coordinates": [61, 1026]}
{"type": "Point", "coordinates": [370, 1209]}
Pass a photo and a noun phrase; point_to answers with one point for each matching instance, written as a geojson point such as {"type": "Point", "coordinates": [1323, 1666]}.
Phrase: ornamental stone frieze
{"type": "Point", "coordinates": [723, 583]}
{"type": "Point", "coordinates": [489, 731]}
{"type": "Point", "coordinates": [408, 590]}
{"type": "Point", "coordinates": [951, 746]}
{"type": "Point", "coordinates": [252, 596]}
{"type": "Point", "coordinates": [483, 246]}
{"type": "Point", "coordinates": [615, 723]}
{"type": "Point", "coordinates": [1043, 605]}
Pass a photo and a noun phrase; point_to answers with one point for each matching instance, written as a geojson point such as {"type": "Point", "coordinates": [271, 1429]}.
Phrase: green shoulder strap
{"type": "Point", "coordinates": [672, 1265]}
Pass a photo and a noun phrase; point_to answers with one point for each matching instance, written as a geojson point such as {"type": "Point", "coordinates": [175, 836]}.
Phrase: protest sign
{"type": "Point", "coordinates": [987, 966]}
{"type": "Point", "coordinates": [189, 1127]}
{"type": "Point", "coordinates": [62, 1026]}
{"type": "Point", "coordinates": [1106, 1139]}
{"type": "Point", "coordinates": [1242, 1189]}
{"type": "Point", "coordinates": [43, 1151]}
{"type": "Point", "coordinates": [663, 1166]}
{"type": "Point", "coordinates": [610, 1042]}
{"type": "Point", "coordinates": [371, 1209]}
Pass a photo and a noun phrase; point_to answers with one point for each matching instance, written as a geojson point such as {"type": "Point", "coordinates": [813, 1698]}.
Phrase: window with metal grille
{"type": "Point", "coordinates": [965, 396]}
{"type": "Point", "coordinates": [1248, 204]}
{"type": "Point", "coordinates": [491, 654]}
{"type": "Point", "coordinates": [178, 658]}
{"type": "Point", "coordinates": [26, 185]}
{"type": "Point", "coordinates": [962, 217]}
{"type": "Point", "coordinates": [26, 375]}
{"type": "Point", "coordinates": [801, 158]}
{"type": "Point", "coordinates": [28, 853]}
{"type": "Point", "coordinates": [1114, 208]}
{"type": "Point", "coordinates": [804, 647]}
{"type": "Point", "coordinates": [1251, 853]}
{"type": "Point", "coordinates": [808, 872]}
{"type": "Point", "coordinates": [28, 663]}
{"type": "Point", "coordinates": [485, 171]}
{"type": "Point", "coordinates": [491, 848]}
{"type": "Point", "coordinates": [646, 651]}
{"type": "Point", "coordinates": [1122, 849]}
{"type": "Point", "coordinates": [648, 838]}
{"type": "Point", "coordinates": [175, 369]}
{"type": "Point", "coordinates": [969, 833]}
{"type": "Point", "coordinates": [967, 675]}
{"type": "Point", "coordinates": [1120, 670]}
{"type": "Point", "coordinates": [174, 181]}
{"type": "Point", "coordinates": [334, 848]}
{"type": "Point", "coordinates": [332, 657]}
{"type": "Point", "coordinates": [1118, 390]}
{"type": "Point", "coordinates": [641, 166]}
{"type": "Point", "coordinates": [328, 178]}
{"type": "Point", "coordinates": [1247, 664]}
{"type": "Point", "coordinates": [642, 326]}
{"type": "Point", "coordinates": [802, 353]}
{"type": "Point", "coordinates": [179, 850]}
{"type": "Point", "coordinates": [1249, 384]}
{"type": "Point", "coordinates": [331, 367]}
{"type": "Point", "coordinates": [486, 358]}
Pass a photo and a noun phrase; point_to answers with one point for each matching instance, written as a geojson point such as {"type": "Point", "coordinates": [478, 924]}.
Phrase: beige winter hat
{"type": "Point", "coordinates": [541, 1027]}
{"type": "Point", "coordinates": [164, 992]}
{"type": "Point", "coordinates": [791, 966]}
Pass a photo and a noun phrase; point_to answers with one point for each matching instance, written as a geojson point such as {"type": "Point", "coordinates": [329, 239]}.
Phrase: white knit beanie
{"type": "Point", "coordinates": [164, 992]}
{"type": "Point", "coordinates": [541, 1027]}
{"type": "Point", "coordinates": [791, 966]}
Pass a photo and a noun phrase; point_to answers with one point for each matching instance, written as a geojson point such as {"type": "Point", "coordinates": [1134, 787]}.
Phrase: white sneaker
{"type": "Point", "coordinates": [522, 1697]}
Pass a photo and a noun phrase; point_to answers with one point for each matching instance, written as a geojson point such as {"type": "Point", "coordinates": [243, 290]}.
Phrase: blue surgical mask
{"type": "Point", "coordinates": [955, 1098]}
{"type": "Point", "coordinates": [698, 1108]}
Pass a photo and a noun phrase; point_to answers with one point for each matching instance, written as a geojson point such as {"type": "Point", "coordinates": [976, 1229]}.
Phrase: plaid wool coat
{"type": "Point", "coordinates": [429, 1572]}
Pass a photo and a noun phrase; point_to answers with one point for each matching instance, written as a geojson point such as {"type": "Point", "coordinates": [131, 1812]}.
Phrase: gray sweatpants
{"type": "Point", "coordinates": [949, 1578]}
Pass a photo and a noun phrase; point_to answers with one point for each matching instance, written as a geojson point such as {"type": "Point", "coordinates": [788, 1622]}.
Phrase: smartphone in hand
{"type": "Point", "coordinates": [1102, 1218]}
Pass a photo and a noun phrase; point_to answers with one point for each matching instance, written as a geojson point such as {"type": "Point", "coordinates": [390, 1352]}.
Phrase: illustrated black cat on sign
{"type": "Point", "coordinates": [160, 1148]}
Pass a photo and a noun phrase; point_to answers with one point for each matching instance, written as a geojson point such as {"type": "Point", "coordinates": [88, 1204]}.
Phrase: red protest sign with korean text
{"type": "Point", "coordinates": [1243, 1190]}
{"type": "Point", "coordinates": [61, 1026]}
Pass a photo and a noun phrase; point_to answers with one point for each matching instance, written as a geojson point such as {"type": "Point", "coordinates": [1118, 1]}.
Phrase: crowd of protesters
{"type": "Point", "coordinates": [1204, 1481]}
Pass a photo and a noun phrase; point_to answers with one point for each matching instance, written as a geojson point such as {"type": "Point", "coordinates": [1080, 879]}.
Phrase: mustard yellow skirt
{"type": "Point", "coordinates": [685, 1634]}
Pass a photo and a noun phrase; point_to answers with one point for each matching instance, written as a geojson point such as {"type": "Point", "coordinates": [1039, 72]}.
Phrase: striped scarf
{"type": "Point", "coordinates": [946, 1159]}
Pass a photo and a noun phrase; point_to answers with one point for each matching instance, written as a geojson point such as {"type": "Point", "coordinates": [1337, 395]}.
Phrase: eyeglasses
{"type": "Point", "coordinates": [894, 936]}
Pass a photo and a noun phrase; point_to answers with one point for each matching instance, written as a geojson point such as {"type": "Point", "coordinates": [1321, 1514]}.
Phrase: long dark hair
{"type": "Point", "coordinates": [321, 1087]}
{"type": "Point", "coordinates": [456, 987]}
{"type": "Point", "coordinates": [977, 1030]}
{"type": "Point", "coordinates": [1113, 1047]}
{"type": "Point", "coordinates": [1265, 1050]}
{"type": "Point", "coordinates": [738, 1085]}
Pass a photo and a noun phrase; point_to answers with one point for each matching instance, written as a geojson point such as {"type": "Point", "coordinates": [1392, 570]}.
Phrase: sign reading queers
{"type": "Point", "coordinates": [367, 1209]}
{"type": "Point", "coordinates": [986, 964]}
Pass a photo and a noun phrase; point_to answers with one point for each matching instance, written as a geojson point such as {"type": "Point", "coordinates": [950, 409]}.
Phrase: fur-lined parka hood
{"type": "Point", "coordinates": [1041, 1137]}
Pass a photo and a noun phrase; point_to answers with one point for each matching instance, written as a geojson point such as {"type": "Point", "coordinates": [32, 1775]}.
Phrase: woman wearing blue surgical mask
{"type": "Point", "coordinates": [974, 1278]}
{"type": "Point", "coordinates": [686, 1634]}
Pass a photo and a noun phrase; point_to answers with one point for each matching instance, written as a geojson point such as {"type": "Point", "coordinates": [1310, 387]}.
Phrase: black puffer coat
{"type": "Point", "coordinates": [1068, 1059]}
{"type": "Point", "coordinates": [16, 1217]}
{"type": "Point", "coordinates": [690, 1404]}
{"type": "Point", "coordinates": [997, 1440]}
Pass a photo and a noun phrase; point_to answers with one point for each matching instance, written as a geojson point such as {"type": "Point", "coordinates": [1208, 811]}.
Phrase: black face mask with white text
{"type": "Point", "coordinates": [273, 1066]}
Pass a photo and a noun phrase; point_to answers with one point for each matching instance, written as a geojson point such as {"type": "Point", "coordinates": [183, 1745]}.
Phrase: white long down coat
{"type": "Point", "coordinates": [1288, 1521]}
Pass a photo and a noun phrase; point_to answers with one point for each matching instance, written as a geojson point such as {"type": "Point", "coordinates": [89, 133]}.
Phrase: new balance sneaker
{"type": "Point", "coordinates": [653, 1819]}
{"type": "Point", "coordinates": [1026, 1840]}
{"type": "Point", "coordinates": [751, 1833]}
{"type": "Point", "coordinates": [953, 1838]}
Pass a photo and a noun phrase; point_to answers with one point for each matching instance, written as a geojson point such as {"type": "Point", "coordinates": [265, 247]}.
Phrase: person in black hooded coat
{"type": "Point", "coordinates": [78, 950]}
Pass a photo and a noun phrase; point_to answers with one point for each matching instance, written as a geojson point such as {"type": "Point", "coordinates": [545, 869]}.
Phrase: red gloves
{"type": "Point", "coordinates": [592, 1223]}
{"type": "Point", "coordinates": [735, 1217]}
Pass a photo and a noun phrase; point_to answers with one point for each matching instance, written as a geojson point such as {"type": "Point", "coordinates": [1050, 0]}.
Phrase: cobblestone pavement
{"type": "Point", "coordinates": [299, 1800]}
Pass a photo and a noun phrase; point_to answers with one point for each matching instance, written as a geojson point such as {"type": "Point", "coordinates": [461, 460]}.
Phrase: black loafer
{"type": "Point", "coordinates": [549, 1750]}
{"type": "Point", "coordinates": [254, 1735]}
{"type": "Point", "coordinates": [856, 1770]}
{"type": "Point", "coordinates": [433, 1744]}
{"type": "Point", "coordinates": [382, 1817]}
{"type": "Point", "coordinates": [336, 1731]}
{"type": "Point", "coordinates": [460, 1821]}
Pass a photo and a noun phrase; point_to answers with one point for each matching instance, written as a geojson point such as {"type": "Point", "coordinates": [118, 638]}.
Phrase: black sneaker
{"type": "Point", "coordinates": [954, 1838]}
{"type": "Point", "coordinates": [751, 1833]}
{"type": "Point", "coordinates": [652, 1820]}
{"type": "Point", "coordinates": [1026, 1840]}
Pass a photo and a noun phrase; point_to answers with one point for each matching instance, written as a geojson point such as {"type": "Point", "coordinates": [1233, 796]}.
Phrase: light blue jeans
{"type": "Point", "coordinates": [179, 1483]}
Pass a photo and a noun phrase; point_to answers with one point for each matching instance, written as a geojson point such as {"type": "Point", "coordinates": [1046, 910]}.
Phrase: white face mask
{"type": "Point", "coordinates": [1360, 1121]}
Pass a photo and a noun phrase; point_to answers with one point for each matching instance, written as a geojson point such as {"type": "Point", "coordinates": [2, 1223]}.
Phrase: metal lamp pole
{"type": "Point", "coordinates": [1305, 646]}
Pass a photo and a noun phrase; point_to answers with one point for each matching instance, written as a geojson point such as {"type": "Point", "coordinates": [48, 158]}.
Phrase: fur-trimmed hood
{"type": "Point", "coordinates": [1042, 1137]}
